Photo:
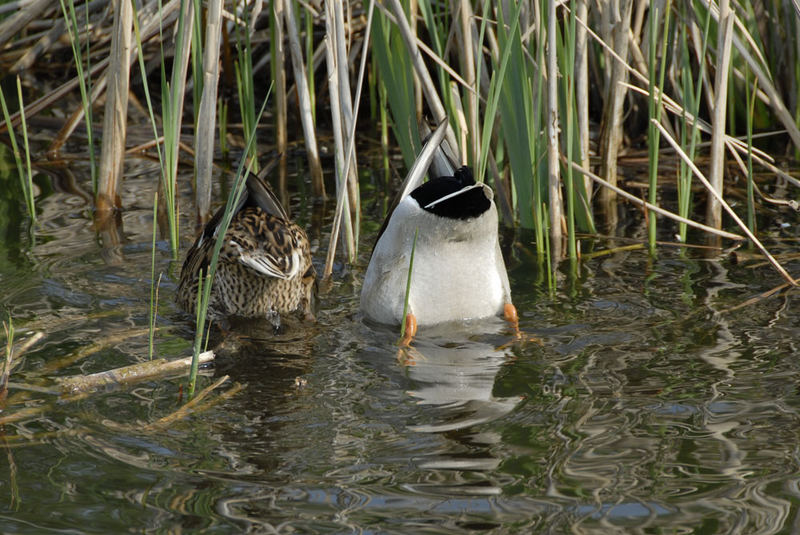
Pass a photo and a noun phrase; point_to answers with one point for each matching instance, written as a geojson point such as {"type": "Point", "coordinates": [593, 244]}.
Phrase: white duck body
{"type": "Point", "coordinates": [458, 271]}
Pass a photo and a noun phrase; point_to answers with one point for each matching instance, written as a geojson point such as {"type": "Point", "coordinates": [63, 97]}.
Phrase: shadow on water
{"type": "Point", "coordinates": [652, 403]}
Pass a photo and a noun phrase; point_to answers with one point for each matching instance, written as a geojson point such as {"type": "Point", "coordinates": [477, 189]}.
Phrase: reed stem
{"type": "Point", "coordinates": [206, 116]}
{"type": "Point", "coordinates": [115, 118]}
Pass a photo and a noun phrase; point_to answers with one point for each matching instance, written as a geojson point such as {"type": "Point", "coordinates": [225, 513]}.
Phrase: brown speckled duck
{"type": "Point", "coordinates": [264, 268]}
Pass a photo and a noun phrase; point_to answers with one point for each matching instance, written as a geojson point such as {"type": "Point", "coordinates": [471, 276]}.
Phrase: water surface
{"type": "Point", "coordinates": [641, 400]}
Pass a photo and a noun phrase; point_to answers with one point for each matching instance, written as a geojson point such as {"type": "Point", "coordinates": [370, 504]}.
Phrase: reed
{"type": "Point", "coordinates": [339, 124]}
{"type": "Point", "coordinates": [305, 101]}
{"type": "Point", "coordinates": [277, 67]}
{"type": "Point", "coordinates": [568, 70]}
{"type": "Point", "coordinates": [153, 284]}
{"type": "Point", "coordinates": [172, 98]}
{"type": "Point", "coordinates": [724, 44]}
{"type": "Point", "coordinates": [654, 109]}
{"type": "Point", "coordinates": [71, 19]}
{"type": "Point", "coordinates": [508, 88]}
{"type": "Point", "coordinates": [204, 285]}
{"type": "Point", "coordinates": [205, 106]}
{"type": "Point", "coordinates": [24, 171]}
{"type": "Point", "coordinates": [408, 285]}
{"type": "Point", "coordinates": [27, 181]}
{"type": "Point", "coordinates": [396, 78]}
{"type": "Point", "coordinates": [115, 116]}
{"type": "Point", "coordinates": [750, 99]}
{"type": "Point", "coordinates": [8, 327]}
{"type": "Point", "coordinates": [206, 281]}
{"type": "Point", "coordinates": [245, 83]}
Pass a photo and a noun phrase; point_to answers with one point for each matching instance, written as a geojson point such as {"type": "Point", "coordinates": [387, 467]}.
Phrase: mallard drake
{"type": "Point", "coordinates": [458, 271]}
{"type": "Point", "coordinates": [264, 268]}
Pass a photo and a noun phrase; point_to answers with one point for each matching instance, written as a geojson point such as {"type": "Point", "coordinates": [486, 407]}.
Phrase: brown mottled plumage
{"type": "Point", "coordinates": [264, 268]}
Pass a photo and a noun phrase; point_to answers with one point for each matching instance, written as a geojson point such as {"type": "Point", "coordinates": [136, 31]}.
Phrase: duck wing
{"type": "Point", "coordinates": [257, 193]}
{"type": "Point", "coordinates": [266, 244]}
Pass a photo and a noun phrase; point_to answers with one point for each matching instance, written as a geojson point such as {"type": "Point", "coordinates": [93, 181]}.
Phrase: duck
{"type": "Point", "coordinates": [458, 271]}
{"type": "Point", "coordinates": [264, 269]}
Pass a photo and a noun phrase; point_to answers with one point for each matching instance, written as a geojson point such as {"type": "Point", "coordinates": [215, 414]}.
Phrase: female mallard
{"type": "Point", "coordinates": [264, 268]}
{"type": "Point", "coordinates": [458, 270]}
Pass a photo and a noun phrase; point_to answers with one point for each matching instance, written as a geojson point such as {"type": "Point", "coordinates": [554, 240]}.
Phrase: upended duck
{"type": "Point", "coordinates": [458, 269]}
{"type": "Point", "coordinates": [264, 268]}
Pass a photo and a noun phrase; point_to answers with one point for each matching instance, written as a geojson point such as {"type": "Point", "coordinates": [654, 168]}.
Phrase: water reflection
{"type": "Point", "coordinates": [648, 408]}
{"type": "Point", "coordinates": [452, 371]}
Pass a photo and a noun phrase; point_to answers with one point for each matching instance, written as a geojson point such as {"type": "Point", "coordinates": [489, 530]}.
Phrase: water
{"type": "Point", "coordinates": [640, 401]}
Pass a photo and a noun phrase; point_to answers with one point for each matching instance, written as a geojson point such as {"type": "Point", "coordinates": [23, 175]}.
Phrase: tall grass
{"type": "Point", "coordinates": [153, 284]}
{"type": "Point", "coordinates": [68, 8]}
{"type": "Point", "coordinates": [172, 99]}
{"type": "Point", "coordinates": [206, 280]}
{"type": "Point", "coordinates": [656, 77]}
{"type": "Point", "coordinates": [245, 83]}
{"type": "Point", "coordinates": [24, 170]}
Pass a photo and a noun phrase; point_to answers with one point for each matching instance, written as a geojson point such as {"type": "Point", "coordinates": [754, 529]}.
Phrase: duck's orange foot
{"type": "Point", "coordinates": [512, 317]}
{"type": "Point", "coordinates": [410, 330]}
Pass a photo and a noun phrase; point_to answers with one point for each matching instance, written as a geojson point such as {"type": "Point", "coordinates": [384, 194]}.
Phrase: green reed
{"type": "Point", "coordinates": [24, 170]}
{"type": "Point", "coordinates": [84, 81]}
{"type": "Point", "coordinates": [408, 284]}
{"type": "Point", "coordinates": [162, 159]}
{"type": "Point", "coordinates": [396, 75]}
{"type": "Point", "coordinates": [153, 284]}
{"type": "Point", "coordinates": [197, 56]}
{"type": "Point", "coordinates": [27, 182]}
{"type": "Point", "coordinates": [654, 107]}
{"type": "Point", "coordinates": [8, 327]}
{"type": "Point", "coordinates": [509, 90]}
{"type": "Point", "coordinates": [245, 85]}
{"type": "Point", "coordinates": [691, 92]}
{"type": "Point", "coordinates": [750, 99]}
{"type": "Point", "coordinates": [205, 282]}
{"type": "Point", "coordinates": [568, 74]}
{"type": "Point", "coordinates": [222, 118]}
{"type": "Point", "coordinates": [172, 99]}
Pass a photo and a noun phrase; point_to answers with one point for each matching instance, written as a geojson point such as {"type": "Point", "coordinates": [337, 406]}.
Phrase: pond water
{"type": "Point", "coordinates": [642, 400]}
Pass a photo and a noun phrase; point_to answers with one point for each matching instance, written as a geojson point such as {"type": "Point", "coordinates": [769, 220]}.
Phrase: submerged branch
{"type": "Point", "coordinates": [194, 404]}
{"type": "Point", "coordinates": [129, 374]}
